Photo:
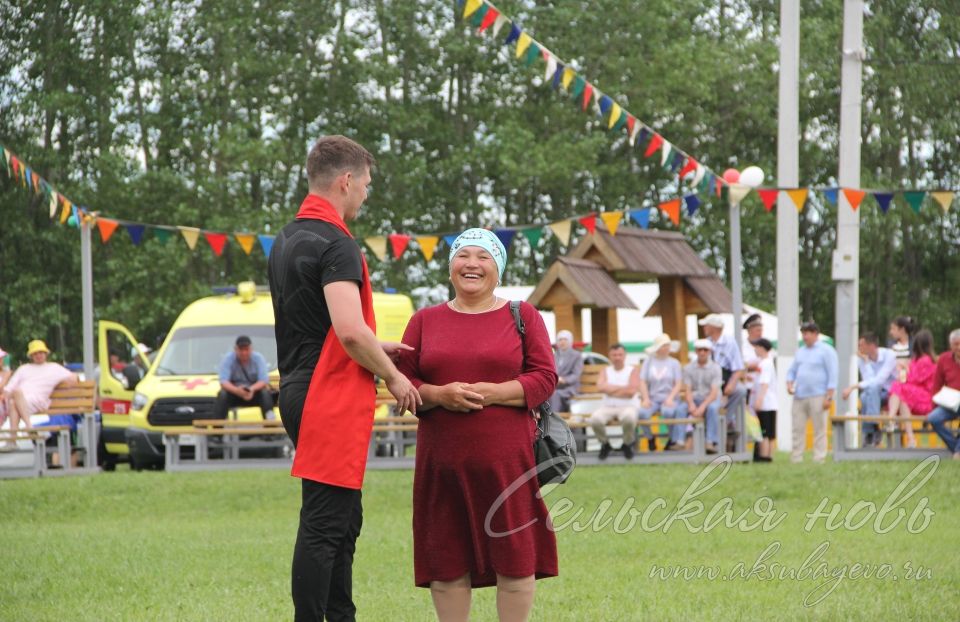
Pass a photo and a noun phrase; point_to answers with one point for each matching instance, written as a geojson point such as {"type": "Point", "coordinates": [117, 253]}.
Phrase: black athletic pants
{"type": "Point", "coordinates": [330, 522]}
{"type": "Point", "coordinates": [226, 401]}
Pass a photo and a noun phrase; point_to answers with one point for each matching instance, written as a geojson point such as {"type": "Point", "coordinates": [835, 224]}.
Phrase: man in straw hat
{"type": "Point", "coordinates": [660, 382]}
{"type": "Point", "coordinates": [29, 390]}
{"type": "Point", "coordinates": [569, 368]}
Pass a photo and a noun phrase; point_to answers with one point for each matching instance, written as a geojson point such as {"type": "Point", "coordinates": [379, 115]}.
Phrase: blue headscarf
{"type": "Point", "coordinates": [486, 240]}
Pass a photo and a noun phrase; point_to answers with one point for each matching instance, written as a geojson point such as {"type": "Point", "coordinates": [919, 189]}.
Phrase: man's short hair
{"type": "Point", "coordinates": [871, 338]}
{"type": "Point", "coordinates": [243, 341]}
{"type": "Point", "coordinates": [333, 155]}
{"type": "Point", "coordinates": [809, 327]}
{"type": "Point", "coordinates": [616, 346]}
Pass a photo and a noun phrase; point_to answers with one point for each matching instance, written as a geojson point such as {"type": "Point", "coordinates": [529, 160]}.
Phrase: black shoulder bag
{"type": "Point", "coordinates": [554, 448]}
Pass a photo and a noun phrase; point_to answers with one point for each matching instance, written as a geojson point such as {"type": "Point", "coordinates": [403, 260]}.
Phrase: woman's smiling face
{"type": "Point", "coordinates": [473, 271]}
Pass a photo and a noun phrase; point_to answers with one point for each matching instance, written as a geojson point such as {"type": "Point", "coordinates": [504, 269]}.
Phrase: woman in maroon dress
{"type": "Point", "coordinates": [470, 527]}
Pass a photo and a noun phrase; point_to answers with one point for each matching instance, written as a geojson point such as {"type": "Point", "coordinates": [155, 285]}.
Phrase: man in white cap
{"type": "Point", "coordinates": [702, 379]}
{"type": "Point", "coordinates": [29, 390]}
{"type": "Point", "coordinates": [660, 382]}
{"type": "Point", "coordinates": [728, 356]}
{"type": "Point", "coordinates": [569, 368]}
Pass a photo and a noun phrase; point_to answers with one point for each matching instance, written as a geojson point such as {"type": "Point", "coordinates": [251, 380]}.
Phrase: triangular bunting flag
{"type": "Point", "coordinates": [615, 112]}
{"type": "Point", "coordinates": [561, 229]}
{"type": "Point", "coordinates": [587, 95]}
{"type": "Point", "coordinates": [53, 206]}
{"type": "Point", "coordinates": [605, 104]}
{"type": "Point", "coordinates": [578, 85]}
{"type": "Point", "coordinates": [162, 235]}
{"type": "Point", "coordinates": [505, 236]}
{"type": "Point", "coordinates": [216, 241]}
{"type": "Point", "coordinates": [589, 221]}
{"type": "Point", "coordinates": [498, 25]}
{"type": "Point", "coordinates": [523, 43]}
{"type": "Point", "coordinates": [621, 120]}
{"type": "Point", "coordinates": [551, 73]}
{"type": "Point", "coordinates": [655, 142]}
{"type": "Point", "coordinates": [612, 221]}
{"type": "Point", "coordinates": [769, 197]}
{"type": "Point", "coordinates": [65, 212]}
{"type": "Point", "coordinates": [246, 241]}
{"type": "Point", "coordinates": [944, 199]}
{"type": "Point", "coordinates": [491, 16]}
{"type": "Point", "coordinates": [689, 167]}
{"type": "Point", "coordinates": [677, 161]}
{"type": "Point", "coordinates": [692, 202]}
{"type": "Point", "coordinates": [477, 17]}
{"type": "Point", "coordinates": [533, 235]}
{"type": "Point", "coordinates": [568, 75]}
{"type": "Point", "coordinates": [470, 7]}
{"type": "Point", "coordinates": [883, 200]}
{"type": "Point", "coordinates": [450, 239]}
{"type": "Point", "coordinates": [854, 197]}
{"type": "Point", "coordinates": [398, 243]}
{"type": "Point", "coordinates": [533, 53]}
{"type": "Point", "coordinates": [106, 227]}
{"type": "Point", "coordinates": [513, 35]}
{"type": "Point", "coordinates": [266, 243]}
{"type": "Point", "coordinates": [136, 233]}
{"type": "Point", "coordinates": [190, 236]}
{"type": "Point", "coordinates": [378, 244]}
{"type": "Point", "coordinates": [831, 195]}
{"type": "Point", "coordinates": [672, 209]}
{"type": "Point", "coordinates": [914, 199]}
{"type": "Point", "coordinates": [666, 152]}
{"type": "Point", "coordinates": [798, 196]}
{"type": "Point", "coordinates": [737, 192]}
{"type": "Point", "coordinates": [698, 175]}
{"type": "Point", "coordinates": [428, 244]}
{"type": "Point", "coordinates": [719, 186]}
{"type": "Point", "coordinates": [641, 217]}
{"type": "Point", "coordinates": [558, 74]}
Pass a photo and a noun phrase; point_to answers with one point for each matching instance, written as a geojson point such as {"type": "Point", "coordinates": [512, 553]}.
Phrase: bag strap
{"type": "Point", "coordinates": [521, 328]}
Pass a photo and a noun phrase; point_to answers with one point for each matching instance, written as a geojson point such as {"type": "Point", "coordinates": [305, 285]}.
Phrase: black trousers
{"type": "Point", "coordinates": [330, 521]}
{"type": "Point", "coordinates": [226, 401]}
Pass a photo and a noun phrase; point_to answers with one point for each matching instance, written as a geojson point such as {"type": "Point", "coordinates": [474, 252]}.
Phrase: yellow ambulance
{"type": "Point", "coordinates": [180, 384]}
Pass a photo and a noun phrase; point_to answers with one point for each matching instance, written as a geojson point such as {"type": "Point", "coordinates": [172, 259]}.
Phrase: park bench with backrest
{"type": "Point", "coordinates": [67, 399]}
{"type": "Point", "coordinates": [893, 448]}
{"type": "Point", "coordinates": [234, 444]}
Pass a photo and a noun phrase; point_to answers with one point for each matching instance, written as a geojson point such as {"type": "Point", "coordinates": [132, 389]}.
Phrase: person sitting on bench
{"type": "Point", "coordinates": [878, 370]}
{"type": "Point", "coordinates": [244, 381]}
{"type": "Point", "coordinates": [31, 386]}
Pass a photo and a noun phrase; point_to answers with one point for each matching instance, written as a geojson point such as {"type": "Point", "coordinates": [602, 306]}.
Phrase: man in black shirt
{"type": "Point", "coordinates": [328, 353]}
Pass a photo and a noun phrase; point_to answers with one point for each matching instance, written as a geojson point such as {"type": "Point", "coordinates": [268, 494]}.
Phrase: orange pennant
{"type": "Point", "coordinates": [106, 227]}
{"type": "Point", "coordinates": [854, 197]}
{"type": "Point", "coordinates": [246, 241]}
{"type": "Point", "coordinates": [798, 196]}
{"type": "Point", "coordinates": [672, 209]}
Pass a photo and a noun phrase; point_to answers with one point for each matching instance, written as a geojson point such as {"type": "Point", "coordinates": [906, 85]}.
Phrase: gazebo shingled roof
{"type": "Point", "coordinates": [586, 283]}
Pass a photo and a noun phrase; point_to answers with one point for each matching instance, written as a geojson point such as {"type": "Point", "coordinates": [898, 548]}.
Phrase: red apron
{"type": "Point", "coordinates": [338, 413]}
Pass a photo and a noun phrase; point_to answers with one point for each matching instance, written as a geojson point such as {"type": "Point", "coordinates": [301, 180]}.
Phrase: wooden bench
{"type": "Point", "coordinates": [67, 399]}
{"type": "Point", "coordinates": [232, 438]}
{"type": "Point", "coordinates": [894, 449]}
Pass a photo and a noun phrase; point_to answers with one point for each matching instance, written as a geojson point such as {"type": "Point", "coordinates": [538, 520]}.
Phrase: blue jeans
{"type": "Point", "coordinates": [938, 419]}
{"type": "Point", "coordinates": [871, 399]}
{"type": "Point", "coordinates": [712, 415]}
{"type": "Point", "coordinates": [657, 406]}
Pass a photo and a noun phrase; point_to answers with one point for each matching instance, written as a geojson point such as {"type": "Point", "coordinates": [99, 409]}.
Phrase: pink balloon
{"type": "Point", "coordinates": [731, 176]}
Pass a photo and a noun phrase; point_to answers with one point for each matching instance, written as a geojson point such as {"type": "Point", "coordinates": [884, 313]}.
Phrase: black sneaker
{"type": "Point", "coordinates": [605, 450]}
{"type": "Point", "coordinates": [628, 451]}
{"type": "Point", "coordinates": [652, 443]}
{"type": "Point", "coordinates": [669, 446]}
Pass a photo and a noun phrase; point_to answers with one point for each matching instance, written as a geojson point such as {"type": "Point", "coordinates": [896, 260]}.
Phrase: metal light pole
{"type": "Point", "coordinates": [86, 279]}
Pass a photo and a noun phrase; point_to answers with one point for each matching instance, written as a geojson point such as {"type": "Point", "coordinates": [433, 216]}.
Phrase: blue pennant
{"type": "Point", "coordinates": [136, 233]}
{"type": "Point", "coordinates": [505, 236]}
{"type": "Point", "coordinates": [641, 217]}
{"type": "Point", "coordinates": [692, 202]}
{"type": "Point", "coordinates": [266, 243]}
{"type": "Point", "coordinates": [831, 194]}
{"type": "Point", "coordinates": [514, 34]}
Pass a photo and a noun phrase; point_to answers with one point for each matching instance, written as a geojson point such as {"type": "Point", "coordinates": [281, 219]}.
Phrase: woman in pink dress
{"type": "Point", "coordinates": [915, 394]}
{"type": "Point", "coordinates": [477, 517]}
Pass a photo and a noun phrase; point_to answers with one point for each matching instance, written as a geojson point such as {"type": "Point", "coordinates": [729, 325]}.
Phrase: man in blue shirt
{"type": "Point", "coordinates": [244, 381]}
{"type": "Point", "coordinates": [812, 381]}
{"type": "Point", "coordinates": [878, 370]}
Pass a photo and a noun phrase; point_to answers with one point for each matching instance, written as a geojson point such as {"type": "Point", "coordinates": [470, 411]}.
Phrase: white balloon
{"type": "Point", "coordinates": [751, 176]}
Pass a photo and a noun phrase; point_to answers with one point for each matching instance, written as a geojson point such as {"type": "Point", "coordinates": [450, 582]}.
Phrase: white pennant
{"type": "Point", "coordinates": [497, 25]}
{"type": "Point", "coordinates": [698, 176]}
{"type": "Point", "coordinates": [53, 205]}
{"type": "Point", "coordinates": [636, 130]}
{"type": "Point", "coordinates": [738, 192]}
{"type": "Point", "coordinates": [664, 152]}
{"type": "Point", "coordinates": [551, 66]}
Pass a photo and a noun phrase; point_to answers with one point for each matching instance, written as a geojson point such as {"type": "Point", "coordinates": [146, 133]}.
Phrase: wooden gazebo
{"type": "Point", "coordinates": [589, 277]}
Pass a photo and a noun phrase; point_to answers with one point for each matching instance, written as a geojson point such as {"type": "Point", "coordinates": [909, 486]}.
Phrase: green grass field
{"type": "Point", "coordinates": [217, 546]}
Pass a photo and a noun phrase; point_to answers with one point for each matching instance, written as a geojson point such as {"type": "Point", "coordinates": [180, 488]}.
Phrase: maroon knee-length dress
{"type": "Point", "coordinates": [467, 461]}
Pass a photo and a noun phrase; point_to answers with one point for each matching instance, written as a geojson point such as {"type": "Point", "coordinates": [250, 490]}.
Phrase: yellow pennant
{"type": "Point", "coordinates": [798, 196]}
{"type": "Point", "coordinates": [612, 220]}
{"type": "Point", "coordinates": [428, 244]}
{"type": "Point", "coordinates": [378, 244]}
{"type": "Point", "coordinates": [561, 229]}
{"type": "Point", "coordinates": [614, 115]}
{"type": "Point", "coordinates": [568, 75]}
{"type": "Point", "coordinates": [737, 192]}
{"type": "Point", "coordinates": [944, 199]}
{"type": "Point", "coordinates": [471, 7]}
{"type": "Point", "coordinates": [66, 211]}
{"type": "Point", "coordinates": [245, 240]}
{"type": "Point", "coordinates": [523, 43]}
{"type": "Point", "coordinates": [190, 235]}
{"type": "Point", "coordinates": [35, 180]}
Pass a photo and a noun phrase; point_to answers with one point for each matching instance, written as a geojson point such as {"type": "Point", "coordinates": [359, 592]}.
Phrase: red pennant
{"type": "Point", "coordinates": [719, 187]}
{"type": "Point", "coordinates": [672, 209]}
{"type": "Point", "coordinates": [106, 227]}
{"type": "Point", "coordinates": [15, 165]}
{"type": "Point", "coordinates": [689, 167]}
{"type": "Point", "coordinates": [587, 95]}
{"type": "Point", "coordinates": [216, 241]}
{"type": "Point", "coordinates": [854, 197]}
{"type": "Point", "coordinates": [656, 141]}
{"type": "Point", "coordinates": [590, 222]}
{"type": "Point", "coordinates": [489, 18]}
{"type": "Point", "coordinates": [398, 242]}
{"type": "Point", "coordinates": [769, 197]}
{"type": "Point", "coordinates": [631, 121]}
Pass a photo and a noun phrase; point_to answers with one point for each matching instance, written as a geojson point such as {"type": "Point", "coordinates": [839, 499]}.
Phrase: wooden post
{"type": "Point", "coordinates": [673, 312]}
{"type": "Point", "coordinates": [568, 318]}
{"type": "Point", "coordinates": [603, 326]}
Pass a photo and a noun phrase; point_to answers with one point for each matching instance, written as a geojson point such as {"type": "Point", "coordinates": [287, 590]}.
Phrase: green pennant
{"type": "Point", "coordinates": [533, 235]}
{"type": "Point", "coordinates": [915, 199]}
{"type": "Point", "coordinates": [620, 122]}
{"type": "Point", "coordinates": [578, 85]}
{"type": "Point", "coordinates": [477, 18]}
{"type": "Point", "coordinates": [533, 53]}
{"type": "Point", "coordinates": [162, 235]}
